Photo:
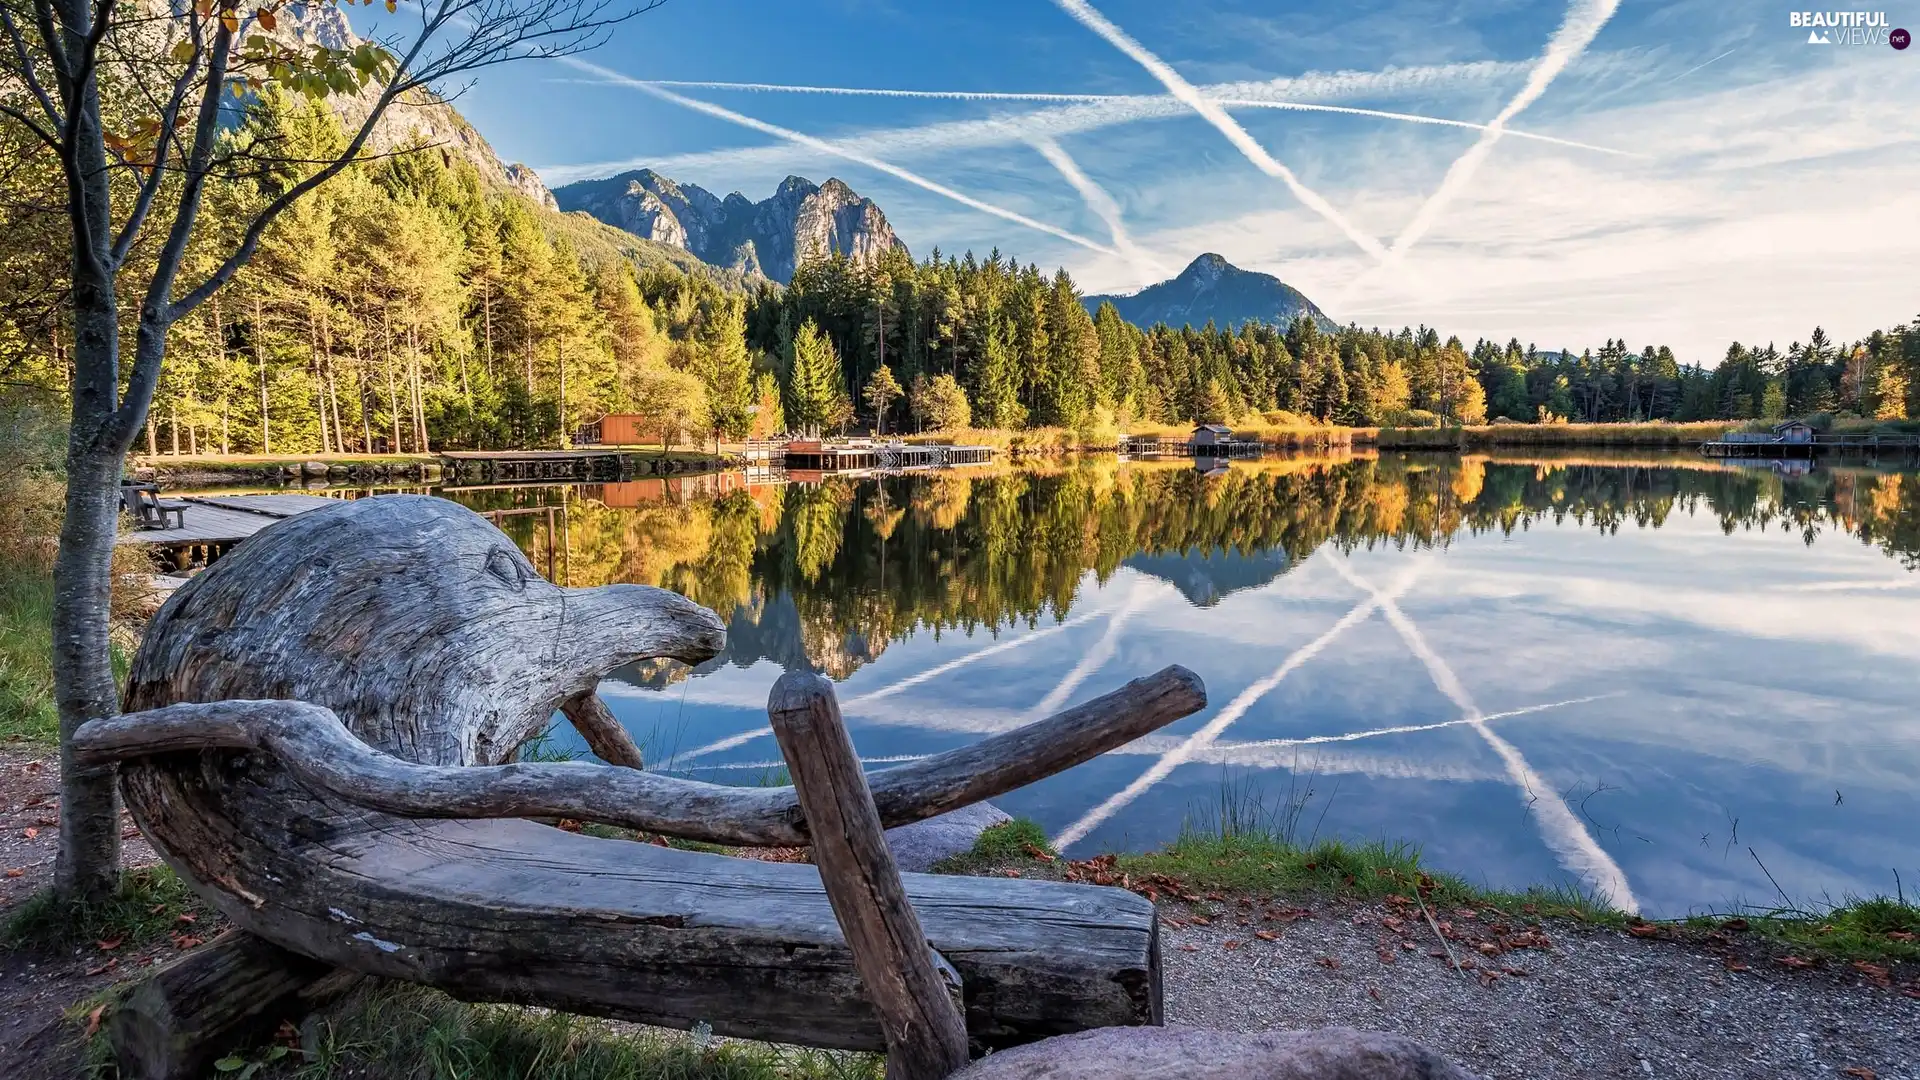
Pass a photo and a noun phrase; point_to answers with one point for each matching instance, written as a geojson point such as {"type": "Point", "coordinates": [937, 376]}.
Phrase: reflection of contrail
{"type": "Point", "coordinates": [1581, 25]}
{"type": "Point", "coordinates": [1214, 114]}
{"type": "Point", "coordinates": [1562, 831]}
{"type": "Point", "coordinates": [1100, 203]}
{"type": "Point", "coordinates": [825, 147]}
{"type": "Point", "coordinates": [1226, 101]}
{"type": "Point", "coordinates": [1223, 720]}
{"type": "Point", "coordinates": [743, 737]}
{"type": "Point", "coordinates": [1101, 652]}
{"type": "Point", "coordinates": [1314, 740]}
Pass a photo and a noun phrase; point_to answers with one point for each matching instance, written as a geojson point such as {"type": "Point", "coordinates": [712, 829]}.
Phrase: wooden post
{"type": "Point", "coordinates": [925, 1031]}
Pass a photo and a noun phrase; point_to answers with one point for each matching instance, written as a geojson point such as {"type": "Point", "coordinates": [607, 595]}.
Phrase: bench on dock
{"type": "Point", "coordinates": [149, 510]}
{"type": "Point", "coordinates": [321, 738]}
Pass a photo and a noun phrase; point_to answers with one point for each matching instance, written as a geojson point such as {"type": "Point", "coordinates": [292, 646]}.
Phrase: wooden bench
{"type": "Point", "coordinates": [326, 711]}
{"type": "Point", "coordinates": [149, 510]}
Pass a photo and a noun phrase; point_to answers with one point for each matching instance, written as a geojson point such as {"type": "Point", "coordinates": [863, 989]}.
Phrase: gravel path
{"type": "Point", "coordinates": [1569, 1002]}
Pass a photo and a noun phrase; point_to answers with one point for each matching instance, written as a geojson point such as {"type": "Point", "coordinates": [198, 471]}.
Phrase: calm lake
{"type": "Point", "coordinates": [1658, 677]}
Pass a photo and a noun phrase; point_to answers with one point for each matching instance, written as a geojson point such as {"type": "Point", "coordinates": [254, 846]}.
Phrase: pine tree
{"type": "Point", "coordinates": [813, 382]}
{"type": "Point", "coordinates": [881, 391]}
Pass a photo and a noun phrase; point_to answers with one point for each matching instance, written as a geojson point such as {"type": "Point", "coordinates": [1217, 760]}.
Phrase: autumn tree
{"type": "Point", "coordinates": [134, 195]}
{"type": "Point", "coordinates": [881, 391]}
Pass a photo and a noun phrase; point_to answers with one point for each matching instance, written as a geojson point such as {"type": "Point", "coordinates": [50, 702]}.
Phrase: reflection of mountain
{"type": "Point", "coordinates": [774, 631]}
{"type": "Point", "coordinates": [1210, 576]}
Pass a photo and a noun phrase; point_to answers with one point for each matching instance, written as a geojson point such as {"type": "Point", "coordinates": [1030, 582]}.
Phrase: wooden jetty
{"type": "Point", "coordinates": [1765, 444]}
{"type": "Point", "coordinates": [212, 524]}
{"type": "Point", "coordinates": [860, 454]}
{"type": "Point", "coordinates": [490, 466]}
{"type": "Point", "coordinates": [1159, 446]}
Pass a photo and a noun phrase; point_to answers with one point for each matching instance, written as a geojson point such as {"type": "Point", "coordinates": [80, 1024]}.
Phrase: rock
{"type": "Point", "coordinates": [918, 846]}
{"type": "Point", "coordinates": [1146, 1053]}
{"type": "Point", "coordinates": [769, 237]}
{"type": "Point", "coordinates": [313, 468]}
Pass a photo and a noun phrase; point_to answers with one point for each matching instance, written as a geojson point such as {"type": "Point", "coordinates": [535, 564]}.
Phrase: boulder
{"type": "Point", "coordinates": [918, 846]}
{"type": "Point", "coordinates": [1176, 1053]}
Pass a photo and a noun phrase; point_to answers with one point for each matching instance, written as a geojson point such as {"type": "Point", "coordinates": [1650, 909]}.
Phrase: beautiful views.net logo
{"type": "Point", "coordinates": [1844, 27]}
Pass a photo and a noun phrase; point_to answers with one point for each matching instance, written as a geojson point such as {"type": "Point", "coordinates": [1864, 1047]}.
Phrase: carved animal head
{"type": "Point", "coordinates": [414, 619]}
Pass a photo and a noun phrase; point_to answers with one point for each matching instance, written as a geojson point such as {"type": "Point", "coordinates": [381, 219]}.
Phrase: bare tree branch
{"type": "Point", "coordinates": [27, 74]}
{"type": "Point", "coordinates": [168, 138]}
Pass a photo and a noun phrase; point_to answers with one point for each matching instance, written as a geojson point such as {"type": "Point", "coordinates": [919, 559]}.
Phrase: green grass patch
{"type": "Point", "coordinates": [148, 906]}
{"type": "Point", "coordinates": [1879, 929]}
{"type": "Point", "coordinates": [999, 845]}
{"type": "Point", "coordinates": [26, 653]}
{"type": "Point", "coordinates": [420, 1034]}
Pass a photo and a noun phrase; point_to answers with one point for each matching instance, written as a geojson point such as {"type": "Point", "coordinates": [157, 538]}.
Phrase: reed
{"type": "Point", "coordinates": [1661, 435]}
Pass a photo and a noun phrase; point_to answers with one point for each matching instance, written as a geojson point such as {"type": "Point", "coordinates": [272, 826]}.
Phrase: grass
{"type": "Point", "coordinates": [997, 846]}
{"type": "Point", "coordinates": [26, 652]}
{"type": "Point", "coordinates": [148, 907]}
{"type": "Point", "coordinates": [394, 1031]}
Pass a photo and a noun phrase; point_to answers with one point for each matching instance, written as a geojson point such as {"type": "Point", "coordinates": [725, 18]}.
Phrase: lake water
{"type": "Point", "coordinates": [1651, 676]}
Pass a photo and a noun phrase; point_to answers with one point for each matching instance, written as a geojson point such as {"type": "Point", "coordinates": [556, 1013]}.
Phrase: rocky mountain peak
{"type": "Point", "coordinates": [1206, 269]}
{"type": "Point", "coordinates": [799, 220]}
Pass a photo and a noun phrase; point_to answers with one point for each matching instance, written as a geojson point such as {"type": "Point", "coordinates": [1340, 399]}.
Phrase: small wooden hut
{"type": "Point", "coordinates": [1211, 435]}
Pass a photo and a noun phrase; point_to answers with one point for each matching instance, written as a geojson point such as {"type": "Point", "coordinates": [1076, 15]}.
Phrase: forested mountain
{"type": "Point", "coordinates": [1213, 290]}
{"type": "Point", "coordinates": [771, 237]}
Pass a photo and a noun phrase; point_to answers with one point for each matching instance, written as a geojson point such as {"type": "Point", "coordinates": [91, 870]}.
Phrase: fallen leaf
{"type": "Point", "coordinates": [30, 832]}
{"type": "Point", "coordinates": [1515, 971]}
{"type": "Point", "coordinates": [1385, 954]}
{"type": "Point", "coordinates": [1329, 962]}
{"type": "Point", "coordinates": [1872, 971]}
{"type": "Point", "coordinates": [1230, 943]}
{"type": "Point", "coordinates": [1189, 948]}
{"type": "Point", "coordinates": [1266, 935]}
{"type": "Point", "coordinates": [1200, 920]}
{"type": "Point", "coordinates": [1408, 945]}
{"type": "Point", "coordinates": [1374, 993]}
{"type": "Point", "coordinates": [188, 917]}
{"type": "Point", "coordinates": [17, 872]}
{"type": "Point", "coordinates": [1861, 1072]}
{"type": "Point", "coordinates": [1735, 965]}
{"type": "Point", "coordinates": [1488, 948]}
{"type": "Point", "coordinates": [109, 944]}
{"type": "Point", "coordinates": [1010, 873]}
{"type": "Point", "coordinates": [1734, 924]}
{"type": "Point", "coordinates": [1465, 913]}
{"type": "Point", "coordinates": [103, 968]}
{"type": "Point", "coordinates": [1900, 935]}
{"type": "Point", "coordinates": [93, 1020]}
{"type": "Point", "coordinates": [1644, 930]}
{"type": "Point", "coordinates": [1795, 962]}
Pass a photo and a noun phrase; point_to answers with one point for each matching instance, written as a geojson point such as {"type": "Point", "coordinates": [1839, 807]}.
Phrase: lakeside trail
{"type": "Point", "coordinates": [1591, 1004]}
{"type": "Point", "coordinates": [1563, 1001]}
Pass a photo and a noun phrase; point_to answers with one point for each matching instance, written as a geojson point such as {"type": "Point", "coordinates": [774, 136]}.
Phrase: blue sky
{"type": "Point", "coordinates": [1773, 188]}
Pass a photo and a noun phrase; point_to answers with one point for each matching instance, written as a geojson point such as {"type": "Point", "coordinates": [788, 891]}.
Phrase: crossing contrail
{"type": "Point", "coordinates": [1698, 66]}
{"type": "Point", "coordinates": [744, 737]}
{"type": "Point", "coordinates": [1577, 30]}
{"type": "Point", "coordinates": [1403, 729]}
{"type": "Point", "coordinates": [1570, 841]}
{"type": "Point", "coordinates": [1226, 717]}
{"type": "Point", "coordinates": [826, 147]}
{"type": "Point", "coordinates": [1230, 102]}
{"type": "Point", "coordinates": [1214, 114]}
{"type": "Point", "coordinates": [1101, 652]}
{"type": "Point", "coordinates": [1103, 206]}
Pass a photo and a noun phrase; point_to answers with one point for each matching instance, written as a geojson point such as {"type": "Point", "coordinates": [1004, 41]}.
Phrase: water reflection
{"type": "Point", "coordinates": [1671, 655]}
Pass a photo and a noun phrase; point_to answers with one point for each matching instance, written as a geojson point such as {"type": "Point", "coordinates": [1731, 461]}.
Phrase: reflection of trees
{"type": "Point", "coordinates": [828, 574]}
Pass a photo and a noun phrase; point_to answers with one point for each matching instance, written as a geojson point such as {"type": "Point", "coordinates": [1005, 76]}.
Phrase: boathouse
{"type": "Point", "coordinates": [1793, 431]}
{"type": "Point", "coordinates": [1211, 435]}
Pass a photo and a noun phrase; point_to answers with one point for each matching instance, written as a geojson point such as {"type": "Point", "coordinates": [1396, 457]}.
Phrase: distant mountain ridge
{"type": "Point", "coordinates": [1211, 288]}
{"type": "Point", "coordinates": [770, 237]}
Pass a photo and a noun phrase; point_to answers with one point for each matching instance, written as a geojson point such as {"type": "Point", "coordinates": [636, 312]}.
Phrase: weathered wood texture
{"type": "Point", "coordinates": [606, 736]}
{"type": "Point", "coordinates": [437, 645]}
{"type": "Point", "coordinates": [317, 748]}
{"type": "Point", "coordinates": [926, 1034]}
{"type": "Point", "coordinates": [171, 1024]}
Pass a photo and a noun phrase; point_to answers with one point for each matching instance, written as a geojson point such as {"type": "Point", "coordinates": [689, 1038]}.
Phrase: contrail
{"type": "Point", "coordinates": [744, 737]}
{"type": "Point", "coordinates": [1062, 99]}
{"type": "Point", "coordinates": [1224, 719]}
{"type": "Point", "coordinates": [1403, 729]}
{"type": "Point", "coordinates": [825, 147]}
{"type": "Point", "coordinates": [1581, 25]}
{"type": "Point", "coordinates": [1562, 831]}
{"type": "Point", "coordinates": [1698, 66]}
{"type": "Point", "coordinates": [1102, 204]}
{"type": "Point", "coordinates": [1213, 113]}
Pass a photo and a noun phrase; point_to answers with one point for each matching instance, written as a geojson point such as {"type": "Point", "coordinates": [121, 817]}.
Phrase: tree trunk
{"type": "Point", "coordinates": [260, 358]}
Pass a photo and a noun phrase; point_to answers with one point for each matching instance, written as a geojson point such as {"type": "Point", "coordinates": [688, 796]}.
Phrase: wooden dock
{"type": "Point", "coordinates": [494, 466]}
{"type": "Point", "coordinates": [214, 523]}
{"type": "Point", "coordinates": [856, 455]}
{"type": "Point", "coordinates": [1756, 445]}
{"type": "Point", "coordinates": [1153, 446]}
